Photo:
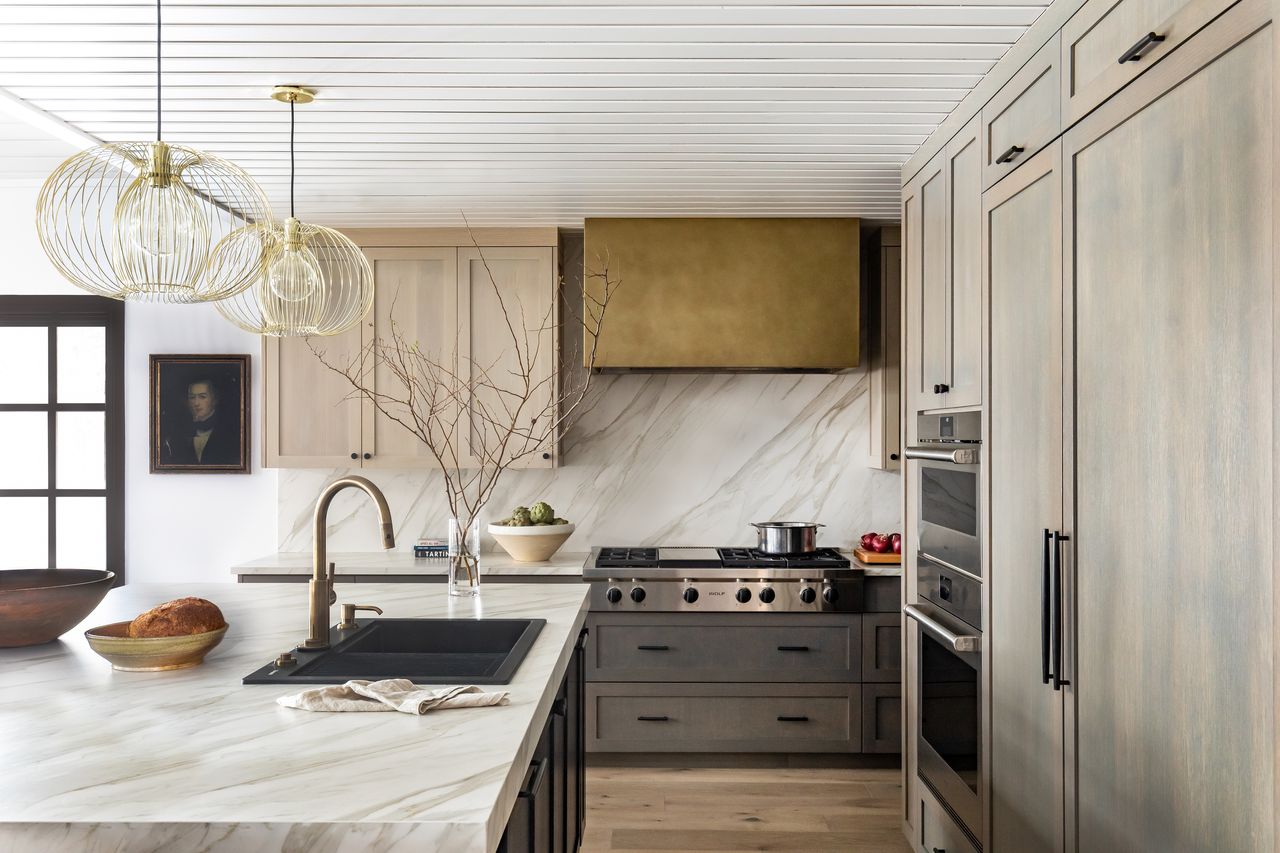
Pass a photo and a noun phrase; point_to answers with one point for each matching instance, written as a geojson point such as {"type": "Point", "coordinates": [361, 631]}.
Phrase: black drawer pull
{"type": "Point", "coordinates": [535, 781]}
{"type": "Point", "coordinates": [792, 718]}
{"type": "Point", "coordinates": [1010, 155]}
{"type": "Point", "coordinates": [648, 719]}
{"type": "Point", "coordinates": [793, 648]}
{"type": "Point", "coordinates": [654, 648]}
{"type": "Point", "coordinates": [1134, 53]}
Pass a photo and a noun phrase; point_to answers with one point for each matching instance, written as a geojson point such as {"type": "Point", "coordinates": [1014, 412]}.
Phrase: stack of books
{"type": "Point", "coordinates": [431, 549]}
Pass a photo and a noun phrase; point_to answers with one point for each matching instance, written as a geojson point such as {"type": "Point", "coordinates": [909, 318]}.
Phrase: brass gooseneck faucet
{"type": "Point", "coordinates": [322, 595]}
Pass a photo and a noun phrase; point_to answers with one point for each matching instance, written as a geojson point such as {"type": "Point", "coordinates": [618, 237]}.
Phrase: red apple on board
{"type": "Point", "coordinates": [881, 544]}
{"type": "Point", "coordinates": [895, 542]}
{"type": "Point", "coordinates": [867, 539]}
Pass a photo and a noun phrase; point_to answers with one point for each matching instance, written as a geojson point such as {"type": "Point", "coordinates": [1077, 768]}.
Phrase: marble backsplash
{"type": "Point", "coordinates": [673, 458]}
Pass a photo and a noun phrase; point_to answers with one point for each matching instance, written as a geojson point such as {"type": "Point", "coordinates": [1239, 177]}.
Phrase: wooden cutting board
{"type": "Point", "coordinates": [871, 557]}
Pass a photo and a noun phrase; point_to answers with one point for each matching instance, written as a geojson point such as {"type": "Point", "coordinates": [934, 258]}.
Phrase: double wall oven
{"type": "Point", "coordinates": [948, 613]}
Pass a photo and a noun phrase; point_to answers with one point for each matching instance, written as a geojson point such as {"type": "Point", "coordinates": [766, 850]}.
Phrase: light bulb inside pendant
{"type": "Point", "coordinates": [295, 274]}
{"type": "Point", "coordinates": [160, 221]}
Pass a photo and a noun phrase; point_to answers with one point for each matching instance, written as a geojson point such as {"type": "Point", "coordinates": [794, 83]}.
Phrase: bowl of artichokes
{"type": "Point", "coordinates": [531, 534]}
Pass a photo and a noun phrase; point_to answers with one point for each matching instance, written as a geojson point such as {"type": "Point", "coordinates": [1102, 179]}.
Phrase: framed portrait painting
{"type": "Point", "coordinates": [200, 414]}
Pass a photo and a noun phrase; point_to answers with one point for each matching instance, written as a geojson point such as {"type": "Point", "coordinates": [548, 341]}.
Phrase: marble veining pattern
{"type": "Point", "coordinates": [193, 760]}
{"type": "Point", "coordinates": [681, 459]}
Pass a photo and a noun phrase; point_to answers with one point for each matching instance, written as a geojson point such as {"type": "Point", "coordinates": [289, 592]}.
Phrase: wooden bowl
{"type": "Point", "coordinates": [535, 544]}
{"type": "Point", "coordinates": [150, 654]}
{"type": "Point", "coordinates": [40, 605]}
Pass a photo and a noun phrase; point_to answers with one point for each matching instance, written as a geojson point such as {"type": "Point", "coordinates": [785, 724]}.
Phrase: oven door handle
{"type": "Point", "coordinates": [955, 455]}
{"type": "Point", "coordinates": [958, 642]}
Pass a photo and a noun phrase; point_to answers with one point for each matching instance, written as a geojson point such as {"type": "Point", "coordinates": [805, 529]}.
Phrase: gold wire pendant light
{"type": "Point", "coordinates": [136, 220]}
{"type": "Point", "coordinates": [315, 281]}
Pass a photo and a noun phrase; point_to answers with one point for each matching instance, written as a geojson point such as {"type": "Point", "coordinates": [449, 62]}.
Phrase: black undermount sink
{"type": "Point", "coordinates": [425, 651]}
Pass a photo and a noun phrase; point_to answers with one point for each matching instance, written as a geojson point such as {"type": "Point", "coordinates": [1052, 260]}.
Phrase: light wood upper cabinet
{"type": "Point", "coordinates": [497, 355]}
{"type": "Point", "coordinates": [932, 298]}
{"type": "Point", "coordinates": [416, 299]}
{"type": "Point", "coordinates": [1108, 43]}
{"type": "Point", "coordinates": [438, 298]}
{"type": "Point", "coordinates": [964, 268]}
{"type": "Point", "coordinates": [310, 419]}
{"type": "Point", "coordinates": [1024, 116]}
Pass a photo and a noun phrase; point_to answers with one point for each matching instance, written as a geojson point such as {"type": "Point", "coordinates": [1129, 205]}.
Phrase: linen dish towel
{"type": "Point", "coordinates": [392, 694]}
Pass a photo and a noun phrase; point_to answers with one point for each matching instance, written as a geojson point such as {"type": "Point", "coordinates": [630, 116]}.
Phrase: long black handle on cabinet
{"type": "Point", "coordinates": [1058, 681]}
{"type": "Point", "coordinates": [653, 719]}
{"type": "Point", "coordinates": [792, 718]}
{"type": "Point", "coordinates": [1045, 616]}
{"type": "Point", "coordinates": [793, 648]}
{"type": "Point", "coordinates": [535, 784]}
{"type": "Point", "coordinates": [654, 648]}
{"type": "Point", "coordinates": [1010, 154]}
{"type": "Point", "coordinates": [1134, 53]}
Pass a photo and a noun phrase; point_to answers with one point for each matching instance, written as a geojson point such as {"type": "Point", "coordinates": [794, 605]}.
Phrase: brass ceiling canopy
{"type": "Point", "coordinates": [314, 280]}
{"type": "Point", "coordinates": [136, 220]}
{"type": "Point", "coordinates": [293, 95]}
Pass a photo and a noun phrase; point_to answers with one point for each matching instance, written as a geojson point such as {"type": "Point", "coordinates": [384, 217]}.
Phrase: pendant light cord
{"type": "Point", "coordinates": [291, 102]}
{"type": "Point", "coordinates": [158, 99]}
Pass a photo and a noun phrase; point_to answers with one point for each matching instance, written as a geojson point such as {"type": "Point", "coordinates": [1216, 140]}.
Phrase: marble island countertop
{"type": "Point", "coordinates": [193, 760]}
{"type": "Point", "coordinates": [496, 565]}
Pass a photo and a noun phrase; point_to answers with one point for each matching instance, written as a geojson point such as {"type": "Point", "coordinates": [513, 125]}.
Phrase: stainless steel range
{"type": "Point", "coordinates": [686, 579]}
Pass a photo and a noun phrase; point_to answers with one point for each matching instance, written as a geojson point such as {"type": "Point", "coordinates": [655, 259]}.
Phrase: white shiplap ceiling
{"type": "Point", "coordinates": [523, 112]}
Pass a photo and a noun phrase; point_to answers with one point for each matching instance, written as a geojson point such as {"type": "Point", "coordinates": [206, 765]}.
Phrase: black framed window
{"type": "Point", "coordinates": [62, 427]}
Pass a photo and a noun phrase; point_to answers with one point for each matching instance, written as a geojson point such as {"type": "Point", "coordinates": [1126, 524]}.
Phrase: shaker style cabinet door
{"type": "Point", "coordinates": [964, 267]}
{"type": "Point", "coordinates": [1024, 269]}
{"type": "Point", "coordinates": [930, 245]}
{"type": "Point", "coordinates": [310, 417]}
{"type": "Point", "coordinates": [508, 325]}
{"type": "Point", "coordinates": [1175, 292]}
{"type": "Point", "coordinates": [415, 301]}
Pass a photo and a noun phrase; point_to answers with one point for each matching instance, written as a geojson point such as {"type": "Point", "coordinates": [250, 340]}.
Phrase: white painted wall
{"type": "Point", "coordinates": [178, 527]}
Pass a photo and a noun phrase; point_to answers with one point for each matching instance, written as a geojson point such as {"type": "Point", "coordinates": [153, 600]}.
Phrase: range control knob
{"type": "Point", "coordinates": [830, 595]}
{"type": "Point", "coordinates": [690, 595]}
{"type": "Point", "coordinates": [807, 595]}
{"type": "Point", "coordinates": [613, 594]}
{"type": "Point", "coordinates": [743, 595]}
{"type": "Point", "coordinates": [767, 595]}
{"type": "Point", "coordinates": [637, 594]}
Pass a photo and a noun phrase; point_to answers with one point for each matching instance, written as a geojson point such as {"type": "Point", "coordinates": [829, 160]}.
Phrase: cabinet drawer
{"type": "Point", "coordinates": [1108, 43]}
{"type": "Point", "coordinates": [882, 647]}
{"type": "Point", "coordinates": [724, 647]}
{"type": "Point", "coordinates": [724, 718]}
{"type": "Point", "coordinates": [938, 832]}
{"type": "Point", "coordinates": [1024, 116]}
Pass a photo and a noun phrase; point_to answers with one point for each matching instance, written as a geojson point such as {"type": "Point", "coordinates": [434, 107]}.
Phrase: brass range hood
{"type": "Point", "coordinates": [726, 294]}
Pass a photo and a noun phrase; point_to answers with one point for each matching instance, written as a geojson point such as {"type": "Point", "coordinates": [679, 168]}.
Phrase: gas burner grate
{"type": "Point", "coordinates": [747, 558]}
{"type": "Point", "coordinates": [627, 557]}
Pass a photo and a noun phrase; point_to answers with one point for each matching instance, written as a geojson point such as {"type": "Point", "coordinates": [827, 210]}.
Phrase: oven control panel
{"type": "Point", "coordinates": [746, 595]}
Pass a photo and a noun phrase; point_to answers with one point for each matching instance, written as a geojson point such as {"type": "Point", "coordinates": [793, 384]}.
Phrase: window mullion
{"type": "Point", "coordinates": [52, 522]}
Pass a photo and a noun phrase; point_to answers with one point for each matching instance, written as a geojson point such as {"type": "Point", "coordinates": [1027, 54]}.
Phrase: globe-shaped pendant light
{"type": "Point", "coordinates": [137, 220]}
{"type": "Point", "coordinates": [314, 280]}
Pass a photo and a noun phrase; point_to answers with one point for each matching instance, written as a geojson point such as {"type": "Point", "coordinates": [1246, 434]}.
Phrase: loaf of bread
{"type": "Point", "coordinates": [178, 617]}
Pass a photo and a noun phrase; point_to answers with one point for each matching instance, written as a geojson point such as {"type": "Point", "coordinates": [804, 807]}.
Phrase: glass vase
{"type": "Point", "coordinates": [464, 557]}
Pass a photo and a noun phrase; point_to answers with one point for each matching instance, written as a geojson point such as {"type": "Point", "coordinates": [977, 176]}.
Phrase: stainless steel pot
{"type": "Point", "coordinates": [786, 537]}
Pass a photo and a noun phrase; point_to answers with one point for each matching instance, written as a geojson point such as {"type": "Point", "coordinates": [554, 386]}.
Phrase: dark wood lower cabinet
{"type": "Point", "coordinates": [550, 811]}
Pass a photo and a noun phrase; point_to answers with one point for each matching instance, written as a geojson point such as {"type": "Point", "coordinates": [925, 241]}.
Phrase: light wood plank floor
{"type": "Point", "coordinates": [652, 809]}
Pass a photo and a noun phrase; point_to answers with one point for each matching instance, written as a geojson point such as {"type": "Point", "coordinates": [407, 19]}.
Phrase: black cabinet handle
{"type": "Point", "coordinates": [793, 648]}
{"type": "Point", "coordinates": [1010, 155]}
{"type": "Point", "coordinates": [941, 388]}
{"type": "Point", "coordinates": [368, 456]}
{"type": "Point", "coordinates": [654, 648]}
{"type": "Point", "coordinates": [653, 719]}
{"type": "Point", "coordinates": [355, 455]}
{"type": "Point", "coordinates": [1058, 681]}
{"type": "Point", "coordinates": [893, 456]}
{"type": "Point", "coordinates": [560, 707]}
{"type": "Point", "coordinates": [792, 718]}
{"type": "Point", "coordinates": [546, 456]}
{"type": "Point", "coordinates": [535, 784]}
{"type": "Point", "coordinates": [1134, 53]}
{"type": "Point", "coordinates": [1044, 607]}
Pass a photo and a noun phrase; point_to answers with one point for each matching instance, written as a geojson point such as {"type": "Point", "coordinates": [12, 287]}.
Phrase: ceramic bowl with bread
{"type": "Point", "coordinates": [174, 635]}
